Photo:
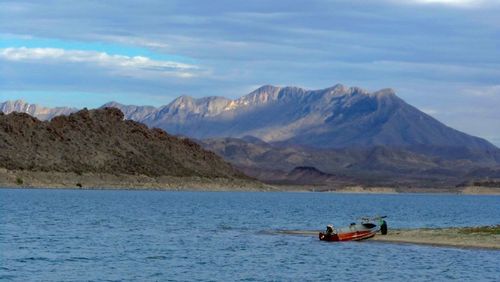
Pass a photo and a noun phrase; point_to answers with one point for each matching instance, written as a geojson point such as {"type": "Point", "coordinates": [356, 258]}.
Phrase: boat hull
{"type": "Point", "coordinates": [355, 236]}
{"type": "Point", "coordinates": [350, 234]}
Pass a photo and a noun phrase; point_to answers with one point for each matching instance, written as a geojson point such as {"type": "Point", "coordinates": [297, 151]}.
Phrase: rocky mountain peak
{"type": "Point", "coordinates": [386, 92]}
{"type": "Point", "coordinates": [35, 110]}
{"type": "Point", "coordinates": [357, 90]}
{"type": "Point", "coordinates": [262, 95]}
{"type": "Point", "coordinates": [207, 106]}
{"type": "Point", "coordinates": [266, 89]}
{"type": "Point", "coordinates": [112, 104]}
{"type": "Point", "coordinates": [14, 106]}
{"type": "Point", "coordinates": [337, 88]}
{"type": "Point", "coordinates": [107, 114]}
{"type": "Point", "coordinates": [182, 101]}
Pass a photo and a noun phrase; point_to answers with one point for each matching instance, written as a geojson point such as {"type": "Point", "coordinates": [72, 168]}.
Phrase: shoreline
{"type": "Point", "coordinates": [228, 185]}
{"type": "Point", "coordinates": [470, 190]}
{"type": "Point", "coordinates": [443, 237]}
{"type": "Point", "coordinates": [476, 190]}
{"type": "Point", "coordinates": [101, 181]}
{"type": "Point", "coordinates": [484, 237]}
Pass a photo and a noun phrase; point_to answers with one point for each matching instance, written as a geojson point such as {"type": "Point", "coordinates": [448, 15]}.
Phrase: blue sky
{"type": "Point", "coordinates": [442, 56]}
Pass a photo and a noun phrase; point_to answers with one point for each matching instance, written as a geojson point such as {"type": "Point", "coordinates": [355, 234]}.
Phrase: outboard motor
{"type": "Point", "coordinates": [329, 230]}
{"type": "Point", "coordinates": [383, 227]}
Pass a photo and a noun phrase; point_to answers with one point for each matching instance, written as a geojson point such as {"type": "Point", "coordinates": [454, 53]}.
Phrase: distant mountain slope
{"type": "Point", "coordinates": [37, 111]}
{"type": "Point", "coordinates": [307, 175]}
{"type": "Point", "coordinates": [137, 113]}
{"type": "Point", "coordinates": [100, 141]}
{"type": "Point", "coordinates": [378, 165]}
{"type": "Point", "coordinates": [335, 117]}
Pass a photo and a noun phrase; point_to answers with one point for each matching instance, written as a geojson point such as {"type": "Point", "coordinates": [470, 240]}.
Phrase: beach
{"type": "Point", "coordinates": [99, 181]}
{"type": "Point", "coordinates": [481, 237]}
{"type": "Point", "coordinates": [487, 237]}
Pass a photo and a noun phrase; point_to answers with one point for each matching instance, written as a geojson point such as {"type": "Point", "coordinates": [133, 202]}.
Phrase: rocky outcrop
{"type": "Point", "coordinates": [101, 141]}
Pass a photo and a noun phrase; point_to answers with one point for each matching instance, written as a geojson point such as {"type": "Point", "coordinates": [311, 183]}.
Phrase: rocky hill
{"type": "Point", "coordinates": [102, 142]}
{"type": "Point", "coordinates": [367, 166]}
{"type": "Point", "coordinates": [307, 175]}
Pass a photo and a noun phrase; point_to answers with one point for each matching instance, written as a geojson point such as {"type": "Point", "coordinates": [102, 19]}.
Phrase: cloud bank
{"type": "Point", "coordinates": [98, 58]}
{"type": "Point", "coordinates": [148, 53]}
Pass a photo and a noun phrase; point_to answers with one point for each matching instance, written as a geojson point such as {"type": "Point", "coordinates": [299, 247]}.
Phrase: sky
{"type": "Point", "coordinates": [441, 56]}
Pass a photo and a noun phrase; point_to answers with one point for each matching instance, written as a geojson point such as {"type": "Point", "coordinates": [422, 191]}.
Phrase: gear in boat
{"type": "Point", "coordinates": [355, 231]}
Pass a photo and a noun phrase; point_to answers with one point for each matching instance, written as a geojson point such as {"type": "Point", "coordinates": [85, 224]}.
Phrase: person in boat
{"type": "Point", "coordinates": [330, 230]}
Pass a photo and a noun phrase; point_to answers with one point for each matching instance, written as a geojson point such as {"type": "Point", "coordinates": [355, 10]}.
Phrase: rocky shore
{"type": "Point", "coordinates": [94, 180]}
{"type": "Point", "coordinates": [98, 149]}
{"type": "Point", "coordinates": [34, 179]}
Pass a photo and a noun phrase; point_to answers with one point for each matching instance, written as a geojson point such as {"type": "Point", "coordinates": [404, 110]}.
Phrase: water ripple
{"type": "Point", "coordinates": [54, 235]}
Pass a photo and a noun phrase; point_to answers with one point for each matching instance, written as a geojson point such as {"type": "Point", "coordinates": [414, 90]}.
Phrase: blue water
{"type": "Point", "coordinates": [74, 235]}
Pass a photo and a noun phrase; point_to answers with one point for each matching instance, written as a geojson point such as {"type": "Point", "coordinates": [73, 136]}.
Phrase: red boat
{"type": "Point", "coordinates": [354, 232]}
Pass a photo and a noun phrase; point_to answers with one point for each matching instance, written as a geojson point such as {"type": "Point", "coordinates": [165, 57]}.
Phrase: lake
{"type": "Point", "coordinates": [109, 235]}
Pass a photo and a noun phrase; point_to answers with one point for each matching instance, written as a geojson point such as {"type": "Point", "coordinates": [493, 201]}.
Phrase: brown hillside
{"type": "Point", "coordinates": [101, 141]}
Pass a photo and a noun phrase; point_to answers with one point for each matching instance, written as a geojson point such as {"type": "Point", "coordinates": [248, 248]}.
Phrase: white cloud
{"type": "Point", "coordinates": [102, 59]}
{"type": "Point", "coordinates": [132, 41]}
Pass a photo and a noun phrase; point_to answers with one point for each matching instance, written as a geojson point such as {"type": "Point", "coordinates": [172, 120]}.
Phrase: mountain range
{"type": "Point", "coordinates": [347, 132]}
{"type": "Point", "coordinates": [34, 110]}
{"type": "Point", "coordinates": [335, 117]}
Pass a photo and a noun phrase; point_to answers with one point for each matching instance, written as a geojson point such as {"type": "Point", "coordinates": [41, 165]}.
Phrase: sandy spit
{"type": "Point", "coordinates": [448, 237]}
{"type": "Point", "coordinates": [476, 190]}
